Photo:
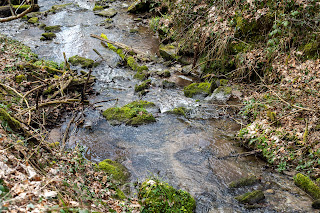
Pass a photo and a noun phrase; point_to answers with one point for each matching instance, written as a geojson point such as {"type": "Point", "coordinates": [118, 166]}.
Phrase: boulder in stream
{"type": "Point", "coordinates": [197, 90]}
{"type": "Point", "coordinates": [78, 60]}
{"type": "Point", "coordinates": [118, 171]}
{"type": "Point", "coordinates": [169, 52]}
{"type": "Point", "coordinates": [47, 36]}
{"type": "Point", "coordinates": [54, 29]}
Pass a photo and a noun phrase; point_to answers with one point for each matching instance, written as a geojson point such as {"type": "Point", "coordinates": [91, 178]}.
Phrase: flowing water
{"type": "Point", "coordinates": [186, 152]}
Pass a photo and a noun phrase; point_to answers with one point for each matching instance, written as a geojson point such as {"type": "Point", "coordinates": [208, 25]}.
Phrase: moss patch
{"type": "Point", "coordinates": [7, 119]}
{"type": "Point", "coordinates": [159, 196]}
{"type": "Point", "coordinates": [133, 114]}
{"type": "Point", "coordinates": [178, 111]}
{"type": "Point", "coordinates": [48, 36]}
{"type": "Point", "coordinates": [33, 20]}
{"type": "Point", "coordinates": [20, 78]}
{"type": "Point", "coordinates": [144, 85]}
{"type": "Point", "coordinates": [97, 7]}
{"type": "Point", "coordinates": [55, 28]}
{"type": "Point", "coordinates": [307, 185]}
{"type": "Point", "coordinates": [197, 88]}
{"type": "Point", "coordinates": [78, 60]}
{"type": "Point", "coordinates": [251, 197]}
{"type": "Point", "coordinates": [114, 169]}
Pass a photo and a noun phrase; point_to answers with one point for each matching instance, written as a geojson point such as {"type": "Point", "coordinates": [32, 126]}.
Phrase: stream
{"type": "Point", "coordinates": [185, 152]}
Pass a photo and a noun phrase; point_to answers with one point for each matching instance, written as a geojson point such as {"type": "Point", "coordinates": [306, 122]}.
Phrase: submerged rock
{"type": "Point", "coordinates": [48, 36]}
{"type": "Point", "coordinates": [159, 196]}
{"type": "Point", "coordinates": [251, 197]}
{"type": "Point", "coordinates": [78, 60]}
{"type": "Point", "coordinates": [246, 181]}
{"type": "Point", "coordinates": [109, 13]}
{"type": "Point", "coordinates": [55, 28]}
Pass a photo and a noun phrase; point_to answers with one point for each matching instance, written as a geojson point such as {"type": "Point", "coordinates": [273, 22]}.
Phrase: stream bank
{"type": "Point", "coordinates": [185, 151]}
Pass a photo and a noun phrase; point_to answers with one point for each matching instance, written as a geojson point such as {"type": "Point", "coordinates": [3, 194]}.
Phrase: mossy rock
{"type": "Point", "coordinates": [141, 75]}
{"type": "Point", "coordinates": [20, 78]}
{"type": "Point", "coordinates": [118, 172]}
{"type": "Point", "coordinates": [142, 68]}
{"type": "Point", "coordinates": [78, 60]}
{"type": "Point", "coordinates": [306, 184]}
{"type": "Point", "coordinates": [159, 196]}
{"type": "Point", "coordinates": [48, 36]}
{"type": "Point", "coordinates": [168, 52]}
{"type": "Point", "coordinates": [246, 181]}
{"type": "Point", "coordinates": [108, 13]}
{"type": "Point", "coordinates": [33, 20]}
{"type": "Point", "coordinates": [139, 6]}
{"type": "Point", "coordinates": [311, 50]}
{"type": "Point", "coordinates": [133, 114]}
{"type": "Point", "coordinates": [168, 84]}
{"type": "Point", "coordinates": [132, 63]}
{"type": "Point", "coordinates": [57, 8]}
{"type": "Point", "coordinates": [316, 204]}
{"type": "Point", "coordinates": [251, 197]}
{"type": "Point", "coordinates": [119, 194]}
{"type": "Point", "coordinates": [143, 86]}
{"type": "Point", "coordinates": [202, 89]}
{"type": "Point", "coordinates": [97, 7]}
{"type": "Point", "coordinates": [178, 111]}
{"type": "Point", "coordinates": [55, 28]}
{"type": "Point", "coordinates": [8, 119]}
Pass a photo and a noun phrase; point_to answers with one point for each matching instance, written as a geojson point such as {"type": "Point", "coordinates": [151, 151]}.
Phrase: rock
{"type": "Point", "coordinates": [139, 6]}
{"type": "Point", "coordinates": [143, 86]}
{"type": "Point", "coordinates": [33, 20]}
{"type": "Point", "coordinates": [316, 204]}
{"type": "Point", "coordinates": [197, 90]}
{"type": "Point", "coordinates": [133, 114]}
{"type": "Point", "coordinates": [222, 94]}
{"type": "Point", "coordinates": [251, 197]}
{"type": "Point", "coordinates": [97, 7]}
{"type": "Point", "coordinates": [168, 84]}
{"type": "Point", "coordinates": [109, 13]}
{"type": "Point", "coordinates": [246, 181]}
{"type": "Point", "coordinates": [178, 111]}
{"type": "Point", "coordinates": [157, 196]}
{"type": "Point", "coordinates": [307, 185]}
{"type": "Point", "coordinates": [118, 171]}
{"type": "Point", "coordinates": [55, 28]}
{"type": "Point", "coordinates": [78, 60]}
{"type": "Point", "coordinates": [48, 36]}
{"type": "Point", "coordinates": [270, 191]}
{"type": "Point", "coordinates": [169, 52]}
{"type": "Point", "coordinates": [186, 70]}
{"type": "Point", "coordinates": [50, 194]}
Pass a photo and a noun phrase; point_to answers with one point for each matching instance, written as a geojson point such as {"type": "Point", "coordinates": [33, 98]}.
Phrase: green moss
{"type": "Point", "coordinates": [33, 20]}
{"type": "Point", "coordinates": [223, 89]}
{"type": "Point", "coordinates": [142, 68]}
{"type": "Point", "coordinates": [8, 119]}
{"type": "Point", "coordinates": [114, 169]}
{"type": "Point", "coordinates": [48, 36]}
{"type": "Point", "coordinates": [46, 63]}
{"type": "Point", "coordinates": [271, 115]}
{"type": "Point", "coordinates": [119, 194]}
{"type": "Point", "coordinates": [97, 7]}
{"type": "Point", "coordinates": [251, 197]}
{"type": "Point", "coordinates": [55, 28]}
{"type": "Point", "coordinates": [307, 185]}
{"type": "Point", "coordinates": [247, 181]}
{"type": "Point", "coordinates": [133, 114]}
{"type": "Point", "coordinates": [131, 62]}
{"type": "Point", "coordinates": [311, 49]}
{"type": "Point", "coordinates": [144, 85]}
{"type": "Point", "coordinates": [78, 60]}
{"type": "Point", "coordinates": [56, 8]}
{"type": "Point", "coordinates": [178, 111]}
{"type": "Point", "coordinates": [20, 78]}
{"type": "Point", "coordinates": [141, 75]}
{"type": "Point", "coordinates": [159, 196]}
{"type": "Point", "coordinates": [168, 52]}
{"type": "Point", "coordinates": [197, 88]}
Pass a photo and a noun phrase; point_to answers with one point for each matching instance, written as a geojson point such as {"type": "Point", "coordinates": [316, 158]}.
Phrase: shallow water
{"type": "Point", "coordinates": [186, 152]}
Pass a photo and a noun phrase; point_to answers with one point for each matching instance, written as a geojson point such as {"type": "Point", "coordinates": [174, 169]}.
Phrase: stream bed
{"type": "Point", "coordinates": [185, 152]}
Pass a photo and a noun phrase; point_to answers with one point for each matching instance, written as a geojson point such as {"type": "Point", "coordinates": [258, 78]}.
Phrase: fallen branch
{"type": "Point", "coordinates": [10, 18]}
{"type": "Point", "coordinates": [122, 46]}
{"type": "Point", "coordinates": [66, 133]}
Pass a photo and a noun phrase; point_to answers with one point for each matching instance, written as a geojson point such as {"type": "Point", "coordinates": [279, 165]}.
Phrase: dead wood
{"type": "Point", "coordinates": [5, 11]}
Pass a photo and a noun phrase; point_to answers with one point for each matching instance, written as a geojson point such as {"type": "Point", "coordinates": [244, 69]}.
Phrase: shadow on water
{"type": "Point", "coordinates": [185, 152]}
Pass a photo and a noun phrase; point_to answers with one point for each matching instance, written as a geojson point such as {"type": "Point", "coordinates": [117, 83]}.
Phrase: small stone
{"type": "Point", "coordinates": [48, 36]}
{"type": "Point", "coordinates": [33, 20]}
{"type": "Point", "coordinates": [50, 194]}
{"type": "Point", "coordinates": [55, 28]}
